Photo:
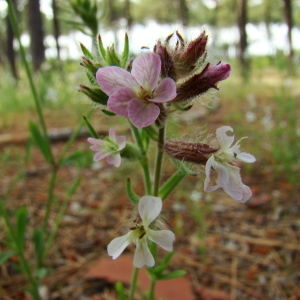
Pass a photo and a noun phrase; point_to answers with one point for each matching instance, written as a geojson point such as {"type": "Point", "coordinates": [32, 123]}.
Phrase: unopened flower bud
{"type": "Point", "coordinates": [92, 66]}
{"type": "Point", "coordinates": [197, 153]}
{"type": "Point", "coordinates": [167, 66]}
{"type": "Point", "coordinates": [94, 93]}
{"type": "Point", "coordinates": [201, 83]}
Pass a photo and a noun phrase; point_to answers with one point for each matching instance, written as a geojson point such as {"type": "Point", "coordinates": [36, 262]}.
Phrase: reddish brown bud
{"type": "Point", "coordinates": [196, 49]}
{"type": "Point", "coordinates": [167, 66]}
{"type": "Point", "coordinates": [189, 152]}
{"type": "Point", "coordinates": [201, 83]}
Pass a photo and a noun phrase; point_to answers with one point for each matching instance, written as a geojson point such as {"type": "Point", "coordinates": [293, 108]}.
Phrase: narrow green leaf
{"type": "Point", "coordinates": [108, 113]}
{"type": "Point", "coordinates": [41, 141]}
{"type": "Point", "coordinates": [151, 132]}
{"type": "Point", "coordinates": [112, 58]}
{"type": "Point", "coordinates": [21, 223]}
{"type": "Point", "coordinates": [101, 48]}
{"type": "Point", "coordinates": [120, 290]}
{"type": "Point", "coordinates": [125, 54]}
{"type": "Point", "coordinates": [39, 246]}
{"type": "Point", "coordinates": [4, 256]}
{"type": "Point", "coordinates": [166, 189]}
{"type": "Point", "coordinates": [172, 275]}
{"type": "Point", "coordinates": [90, 128]}
{"type": "Point", "coordinates": [86, 52]}
{"type": "Point", "coordinates": [41, 272]}
{"type": "Point", "coordinates": [133, 197]}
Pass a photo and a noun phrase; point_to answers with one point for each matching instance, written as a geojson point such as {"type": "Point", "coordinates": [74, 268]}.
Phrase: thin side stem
{"type": "Point", "coordinates": [133, 283]}
{"type": "Point", "coordinates": [50, 199]}
{"type": "Point", "coordinates": [159, 159]}
{"type": "Point", "coordinates": [14, 23]}
{"type": "Point", "coordinates": [152, 290]}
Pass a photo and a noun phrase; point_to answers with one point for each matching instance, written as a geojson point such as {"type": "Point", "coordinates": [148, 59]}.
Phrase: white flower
{"type": "Point", "coordinates": [228, 175]}
{"type": "Point", "coordinates": [108, 148]}
{"type": "Point", "coordinates": [149, 208]}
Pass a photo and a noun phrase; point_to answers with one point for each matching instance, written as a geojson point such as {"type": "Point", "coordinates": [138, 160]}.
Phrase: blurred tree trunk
{"type": "Point", "coordinates": [243, 44]}
{"type": "Point", "coordinates": [289, 22]}
{"type": "Point", "coordinates": [127, 12]}
{"type": "Point", "coordinates": [35, 26]}
{"type": "Point", "coordinates": [56, 27]}
{"type": "Point", "coordinates": [10, 51]}
{"type": "Point", "coordinates": [183, 12]}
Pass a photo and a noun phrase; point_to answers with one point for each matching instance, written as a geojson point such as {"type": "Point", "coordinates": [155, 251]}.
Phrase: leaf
{"type": "Point", "coordinates": [133, 197]}
{"type": "Point", "coordinates": [21, 226]}
{"type": "Point", "coordinates": [125, 54]}
{"type": "Point", "coordinates": [4, 256]}
{"type": "Point", "coordinates": [41, 141]}
{"type": "Point", "coordinates": [90, 128]}
{"type": "Point", "coordinates": [108, 113]}
{"type": "Point", "coordinates": [39, 246]}
{"type": "Point", "coordinates": [86, 52]}
{"type": "Point", "coordinates": [151, 132]}
{"type": "Point", "coordinates": [41, 272]}
{"type": "Point", "coordinates": [166, 189]}
{"type": "Point", "coordinates": [101, 48]}
{"type": "Point", "coordinates": [120, 290]}
{"type": "Point", "coordinates": [172, 275]}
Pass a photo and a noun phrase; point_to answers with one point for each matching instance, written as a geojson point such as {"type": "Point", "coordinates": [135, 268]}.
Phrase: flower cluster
{"type": "Point", "coordinates": [146, 91]}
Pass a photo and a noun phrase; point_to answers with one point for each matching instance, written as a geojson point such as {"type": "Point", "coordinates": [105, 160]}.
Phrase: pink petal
{"type": "Point", "coordinates": [114, 160]}
{"type": "Point", "coordinates": [100, 155]}
{"type": "Point", "coordinates": [142, 114]}
{"type": "Point", "coordinates": [121, 140]}
{"type": "Point", "coordinates": [165, 91]}
{"type": "Point", "coordinates": [118, 101]}
{"type": "Point", "coordinates": [113, 78]}
{"type": "Point", "coordinates": [146, 69]}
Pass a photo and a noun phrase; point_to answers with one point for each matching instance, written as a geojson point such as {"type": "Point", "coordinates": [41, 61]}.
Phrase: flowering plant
{"type": "Point", "coordinates": [147, 91]}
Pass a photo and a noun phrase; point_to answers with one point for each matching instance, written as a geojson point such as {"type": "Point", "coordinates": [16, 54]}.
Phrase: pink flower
{"type": "Point", "coordinates": [137, 95]}
{"type": "Point", "coordinates": [217, 73]}
{"type": "Point", "coordinates": [228, 176]}
{"type": "Point", "coordinates": [108, 148]}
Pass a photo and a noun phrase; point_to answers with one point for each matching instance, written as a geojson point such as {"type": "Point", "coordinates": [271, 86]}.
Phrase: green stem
{"type": "Point", "coordinates": [144, 161]}
{"type": "Point", "coordinates": [20, 252]}
{"type": "Point", "coordinates": [15, 27]}
{"type": "Point", "coordinates": [152, 290]}
{"type": "Point", "coordinates": [50, 199]}
{"type": "Point", "coordinates": [133, 283]}
{"type": "Point", "coordinates": [167, 188]}
{"type": "Point", "coordinates": [159, 159]}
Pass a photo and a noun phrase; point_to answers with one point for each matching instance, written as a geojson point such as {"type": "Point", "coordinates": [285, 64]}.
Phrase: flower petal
{"type": "Point", "coordinates": [224, 140]}
{"type": "Point", "coordinates": [165, 91]}
{"type": "Point", "coordinates": [235, 187]}
{"type": "Point", "coordinates": [163, 238]}
{"type": "Point", "coordinates": [100, 155]}
{"type": "Point", "coordinates": [114, 159]}
{"type": "Point", "coordinates": [142, 114]}
{"type": "Point", "coordinates": [146, 69]}
{"type": "Point", "coordinates": [246, 157]}
{"type": "Point", "coordinates": [149, 208]}
{"type": "Point", "coordinates": [118, 101]}
{"type": "Point", "coordinates": [117, 245]}
{"type": "Point", "coordinates": [142, 255]}
{"type": "Point", "coordinates": [121, 140]}
{"type": "Point", "coordinates": [113, 78]}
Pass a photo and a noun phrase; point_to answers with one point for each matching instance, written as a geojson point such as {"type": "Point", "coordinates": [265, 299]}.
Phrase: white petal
{"type": "Point", "coordinates": [246, 157]}
{"type": "Point", "coordinates": [114, 159]}
{"type": "Point", "coordinates": [163, 238]}
{"type": "Point", "coordinates": [235, 187]}
{"type": "Point", "coordinates": [142, 255]}
{"type": "Point", "coordinates": [222, 178]}
{"type": "Point", "coordinates": [224, 140]}
{"type": "Point", "coordinates": [117, 245]}
{"type": "Point", "coordinates": [149, 208]}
